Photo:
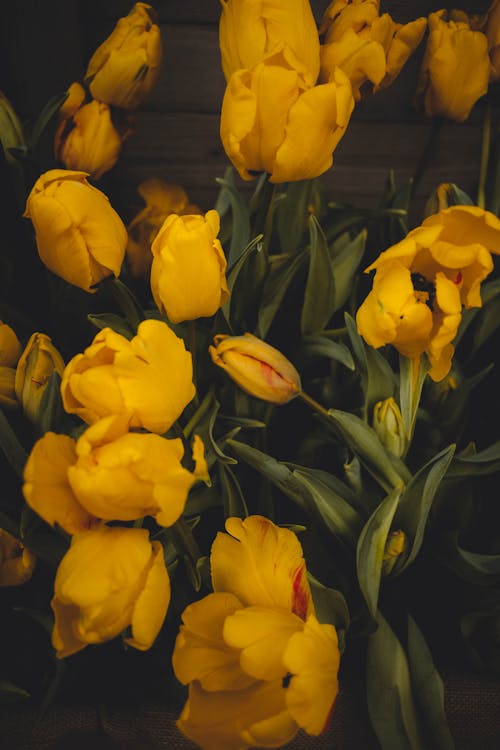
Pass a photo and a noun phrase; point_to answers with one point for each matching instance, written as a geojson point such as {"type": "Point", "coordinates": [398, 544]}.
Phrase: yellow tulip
{"type": "Point", "coordinates": [125, 68]}
{"type": "Point", "coordinates": [455, 69]}
{"type": "Point", "coordinates": [367, 47]}
{"type": "Point", "coordinates": [75, 98]}
{"type": "Point", "coordinates": [10, 346]}
{"type": "Point", "coordinates": [38, 361]}
{"type": "Point", "coordinates": [188, 278]}
{"type": "Point", "coordinates": [8, 396]}
{"type": "Point", "coordinates": [492, 31]}
{"type": "Point", "coordinates": [109, 580]}
{"type": "Point", "coordinates": [258, 368]}
{"type": "Point", "coordinates": [422, 282]}
{"type": "Point", "coordinates": [78, 234]}
{"type": "Point", "coordinates": [272, 121]}
{"type": "Point", "coordinates": [258, 663]}
{"type": "Point", "coordinates": [161, 200]}
{"type": "Point", "coordinates": [16, 562]}
{"type": "Point", "coordinates": [250, 30]}
{"type": "Point", "coordinates": [89, 142]}
{"type": "Point", "coordinates": [148, 378]}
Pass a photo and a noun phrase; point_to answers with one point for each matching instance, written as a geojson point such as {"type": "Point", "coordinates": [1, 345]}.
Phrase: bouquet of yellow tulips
{"type": "Point", "coordinates": [252, 439]}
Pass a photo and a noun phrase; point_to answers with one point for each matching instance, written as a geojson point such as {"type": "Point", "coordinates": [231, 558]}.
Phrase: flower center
{"type": "Point", "coordinates": [425, 290]}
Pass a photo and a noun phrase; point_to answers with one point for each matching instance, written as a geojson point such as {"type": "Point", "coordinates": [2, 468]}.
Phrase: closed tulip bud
{"type": "Point", "coordinates": [37, 363]}
{"type": "Point", "coordinates": [258, 368]}
{"type": "Point", "coordinates": [16, 562]}
{"type": "Point", "coordinates": [124, 69]}
{"type": "Point", "coordinates": [161, 200]}
{"type": "Point", "coordinates": [88, 141]}
{"type": "Point", "coordinates": [149, 377]}
{"type": "Point", "coordinates": [273, 121]}
{"type": "Point", "coordinates": [8, 397]}
{"type": "Point", "coordinates": [456, 67]}
{"type": "Point", "coordinates": [388, 424]}
{"type": "Point", "coordinates": [11, 132]}
{"type": "Point", "coordinates": [79, 236]}
{"type": "Point", "coordinates": [110, 579]}
{"type": "Point", "coordinates": [188, 277]}
{"type": "Point", "coordinates": [394, 548]}
{"type": "Point", "coordinates": [492, 31]}
{"type": "Point", "coordinates": [249, 30]}
{"type": "Point", "coordinates": [10, 347]}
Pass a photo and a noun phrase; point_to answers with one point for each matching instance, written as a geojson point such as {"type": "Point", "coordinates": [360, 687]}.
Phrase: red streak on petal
{"type": "Point", "coordinates": [268, 372]}
{"type": "Point", "coordinates": [459, 278]}
{"type": "Point", "coordinates": [300, 599]}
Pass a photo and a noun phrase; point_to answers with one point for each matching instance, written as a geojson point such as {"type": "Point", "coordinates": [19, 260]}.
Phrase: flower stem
{"type": "Point", "coordinates": [185, 536]}
{"type": "Point", "coordinates": [199, 414]}
{"type": "Point", "coordinates": [427, 154]}
{"type": "Point", "coordinates": [126, 301]}
{"type": "Point", "coordinates": [315, 405]}
{"type": "Point", "coordinates": [485, 155]}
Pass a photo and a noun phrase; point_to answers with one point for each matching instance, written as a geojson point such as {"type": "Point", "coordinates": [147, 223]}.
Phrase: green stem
{"type": "Point", "coordinates": [315, 405]}
{"type": "Point", "coordinates": [185, 536]}
{"type": "Point", "coordinates": [427, 154]}
{"type": "Point", "coordinates": [199, 414]}
{"type": "Point", "coordinates": [485, 155]}
{"type": "Point", "coordinates": [265, 214]}
{"type": "Point", "coordinates": [126, 301]}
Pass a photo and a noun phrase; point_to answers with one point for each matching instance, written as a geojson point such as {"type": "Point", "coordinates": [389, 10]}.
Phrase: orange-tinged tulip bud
{"type": "Point", "coordinates": [250, 30]}
{"type": "Point", "coordinates": [149, 378]}
{"type": "Point", "coordinates": [89, 142]}
{"type": "Point", "coordinates": [188, 275]}
{"type": "Point", "coordinates": [455, 69]}
{"type": "Point", "coordinates": [258, 368]}
{"type": "Point", "coordinates": [161, 200]}
{"type": "Point", "coordinates": [124, 69]}
{"type": "Point", "coordinates": [37, 363]}
{"type": "Point", "coordinates": [10, 346]}
{"type": "Point", "coordinates": [79, 236]}
{"type": "Point", "coordinates": [16, 562]}
{"type": "Point", "coordinates": [272, 121]}
{"type": "Point", "coordinates": [110, 579]}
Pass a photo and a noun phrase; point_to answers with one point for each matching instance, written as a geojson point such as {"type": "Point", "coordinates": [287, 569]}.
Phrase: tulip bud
{"type": "Point", "coordinates": [7, 387]}
{"type": "Point", "coordinates": [445, 195]}
{"type": "Point", "coordinates": [394, 548]}
{"type": "Point", "coordinates": [258, 368]}
{"type": "Point", "coordinates": [37, 363]}
{"type": "Point", "coordinates": [11, 132]}
{"type": "Point", "coordinates": [388, 424]}
{"type": "Point", "coordinates": [79, 236]}
{"type": "Point", "coordinates": [16, 562]}
{"type": "Point", "coordinates": [74, 100]}
{"type": "Point", "coordinates": [10, 348]}
{"type": "Point", "coordinates": [492, 32]}
{"type": "Point", "coordinates": [124, 69]}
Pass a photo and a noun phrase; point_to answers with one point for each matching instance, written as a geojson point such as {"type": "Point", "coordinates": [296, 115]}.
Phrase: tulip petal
{"type": "Point", "coordinates": [152, 603]}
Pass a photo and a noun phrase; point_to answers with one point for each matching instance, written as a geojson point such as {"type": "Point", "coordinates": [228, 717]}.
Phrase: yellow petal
{"type": "Point", "coordinates": [152, 603]}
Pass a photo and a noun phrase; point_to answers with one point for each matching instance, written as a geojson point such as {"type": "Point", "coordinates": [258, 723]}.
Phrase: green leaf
{"type": "Point", "coordinates": [385, 468]}
{"type": "Point", "coordinates": [232, 494]}
{"type": "Point", "coordinates": [417, 499]}
{"type": "Point", "coordinates": [483, 463]}
{"type": "Point", "coordinates": [240, 231]}
{"type": "Point", "coordinates": [330, 604]}
{"type": "Point", "coordinates": [10, 693]}
{"type": "Point", "coordinates": [110, 320]}
{"type": "Point", "coordinates": [48, 112]}
{"type": "Point", "coordinates": [474, 567]}
{"type": "Point", "coordinates": [377, 378]}
{"type": "Point", "coordinates": [328, 498]}
{"type": "Point", "coordinates": [275, 288]}
{"type": "Point", "coordinates": [371, 547]}
{"type": "Point", "coordinates": [344, 267]}
{"type": "Point", "coordinates": [221, 456]}
{"type": "Point", "coordinates": [11, 447]}
{"type": "Point", "coordinates": [319, 293]}
{"type": "Point", "coordinates": [42, 617]}
{"type": "Point", "coordinates": [245, 281]}
{"type": "Point", "coordinates": [391, 705]}
{"type": "Point", "coordinates": [488, 323]}
{"type": "Point", "coordinates": [292, 215]}
{"type": "Point", "coordinates": [411, 380]}
{"type": "Point", "coordinates": [320, 346]}
{"type": "Point", "coordinates": [428, 689]}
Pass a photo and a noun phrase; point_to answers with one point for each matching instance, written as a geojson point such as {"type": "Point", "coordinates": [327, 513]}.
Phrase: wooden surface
{"type": "Point", "coordinates": [45, 46]}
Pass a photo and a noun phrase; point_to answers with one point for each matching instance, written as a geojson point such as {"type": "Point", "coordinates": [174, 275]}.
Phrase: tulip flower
{"type": "Point", "coordinates": [258, 663]}
{"type": "Point", "coordinates": [110, 474]}
{"type": "Point", "coordinates": [272, 121]}
{"type": "Point", "coordinates": [16, 562]}
{"type": "Point", "coordinates": [78, 234]}
{"type": "Point", "coordinates": [74, 100]}
{"type": "Point", "coordinates": [422, 282]}
{"type": "Point", "coordinates": [10, 346]}
{"type": "Point", "coordinates": [492, 31]}
{"type": "Point", "coordinates": [149, 377]}
{"type": "Point", "coordinates": [109, 580]}
{"type": "Point", "coordinates": [161, 200]}
{"type": "Point", "coordinates": [88, 141]}
{"type": "Point", "coordinates": [258, 368]}
{"type": "Point", "coordinates": [389, 426]}
{"type": "Point", "coordinates": [250, 30]}
{"type": "Point", "coordinates": [125, 68]}
{"type": "Point", "coordinates": [188, 277]}
{"type": "Point", "coordinates": [365, 46]}
{"type": "Point", "coordinates": [456, 67]}
{"type": "Point", "coordinates": [38, 361]}
{"type": "Point", "coordinates": [8, 396]}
